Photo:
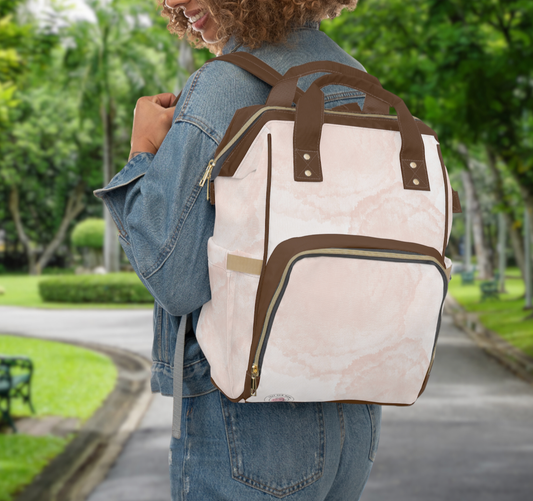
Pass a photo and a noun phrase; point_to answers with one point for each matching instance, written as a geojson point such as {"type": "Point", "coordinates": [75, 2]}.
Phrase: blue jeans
{"type": "Point", "coordinates": [254, 452]}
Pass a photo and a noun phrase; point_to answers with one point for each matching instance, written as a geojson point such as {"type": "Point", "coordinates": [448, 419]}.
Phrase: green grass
{"type": "Point", "coordinates": [22, 290]}
{"type": "Point", "coordinates": [505, 316]}
{"type": "Point", "coordinates": [22, 457]}
{"type": "Point", "coordinates": [67, 381]}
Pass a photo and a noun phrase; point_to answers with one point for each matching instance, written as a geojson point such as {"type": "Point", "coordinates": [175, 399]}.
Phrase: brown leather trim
{"type": "Point", "coordinates": [248, 381]}
{"type": "Point", "coordinates": [457, 209]}
{"type": "Point", "coordinates": [233, 160]}
{"type": "Point", "coordinates": [273, 271]}
{"type": "Point", "coordinates": [353, 107]}
{"type": "Point", "coordinates": [310, 119]}
{"type": "Point", "coordinates": [283, 94]}
{"type": "Point", "coordinates": [212, 191]}
{"type": "Point", "coordinates": [446, 198]}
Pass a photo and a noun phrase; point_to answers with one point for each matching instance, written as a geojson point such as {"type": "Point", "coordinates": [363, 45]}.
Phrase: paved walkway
{"type": "Point", "coordinates": [468, 438]}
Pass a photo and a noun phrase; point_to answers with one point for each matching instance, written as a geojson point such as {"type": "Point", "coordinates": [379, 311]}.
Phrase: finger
{"type": "Point", "coordinates": [166, 99]}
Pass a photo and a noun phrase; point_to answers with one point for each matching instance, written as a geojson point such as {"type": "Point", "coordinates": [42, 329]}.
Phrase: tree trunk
{"type": "Point", "coordinates": [74, 207]}
{"type": "Point", "coordinates": [483, 252]}
{"type": "Point", "coordinates": [499, 193]}
{"type": "Point", "coordinates": [111, 245]}
{"type": "Point", "coordinates": [29, 246]}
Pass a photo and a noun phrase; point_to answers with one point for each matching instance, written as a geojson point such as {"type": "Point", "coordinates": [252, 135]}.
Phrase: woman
{"type": "Point", "coordinates": [228, 451]}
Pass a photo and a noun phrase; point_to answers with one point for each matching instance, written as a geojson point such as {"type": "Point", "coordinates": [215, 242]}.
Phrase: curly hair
{"type": "Point", "coordinates": [253, 22]}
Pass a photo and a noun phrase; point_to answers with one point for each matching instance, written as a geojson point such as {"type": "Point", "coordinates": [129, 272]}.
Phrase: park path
{"type": "Point", "coordinates": [468, 438]}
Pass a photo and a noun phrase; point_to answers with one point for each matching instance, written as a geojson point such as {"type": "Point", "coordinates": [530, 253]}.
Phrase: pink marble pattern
{"type": "Point", "coordinates": [351, 329]}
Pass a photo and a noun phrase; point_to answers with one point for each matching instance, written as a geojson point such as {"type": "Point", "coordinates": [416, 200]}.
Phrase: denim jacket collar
{"type": "Point", "coordinates": [232, 46]}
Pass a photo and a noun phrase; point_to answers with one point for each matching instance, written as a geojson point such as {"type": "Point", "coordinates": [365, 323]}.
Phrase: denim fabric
{"type": "Point", "coordinates": [161, 212]}
{"type": "Point", "coordinates": [295, 451]}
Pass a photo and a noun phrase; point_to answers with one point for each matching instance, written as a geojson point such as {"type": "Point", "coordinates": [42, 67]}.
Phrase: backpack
{"type": "Point", "coordinates": [327, 263]}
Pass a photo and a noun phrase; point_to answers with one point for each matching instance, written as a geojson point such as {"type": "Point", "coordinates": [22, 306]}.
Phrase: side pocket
{"type": "Point", "coordinates": [374, 410]}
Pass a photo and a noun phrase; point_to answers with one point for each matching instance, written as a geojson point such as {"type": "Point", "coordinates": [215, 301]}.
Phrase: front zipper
{"type": "Point", "coordinates": [274, 302]}
{"type": "Point", "coordinates": [252, 119]}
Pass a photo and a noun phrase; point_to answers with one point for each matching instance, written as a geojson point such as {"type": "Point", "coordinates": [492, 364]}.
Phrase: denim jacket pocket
{"type": "Point", "coordinates": [277, 448]}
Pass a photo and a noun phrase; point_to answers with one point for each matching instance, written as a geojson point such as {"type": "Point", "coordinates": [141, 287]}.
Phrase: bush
{"type": "Point", "coordinates": [111, 288]}
{"type": "Point", "coordinates": [89, 233]}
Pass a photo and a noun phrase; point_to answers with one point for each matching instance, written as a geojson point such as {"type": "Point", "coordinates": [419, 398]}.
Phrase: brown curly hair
{"type": "Point", "coordinates": [253, 22]}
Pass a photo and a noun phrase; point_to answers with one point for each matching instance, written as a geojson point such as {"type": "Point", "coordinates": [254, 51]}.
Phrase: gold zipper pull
{"type": "Point", "coordinates": [207, 175]}
{"type": "Point", "coordinates": [255, 375]}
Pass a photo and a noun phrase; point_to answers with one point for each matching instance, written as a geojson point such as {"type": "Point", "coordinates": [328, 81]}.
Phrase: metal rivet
{"type": "Point", "coordinates": [413, 165]}
{"type": "Point", "coordinates": [307, 156]}
{"type": "Point", "coordinates": [416, 181]}
{"type": "Point", "coordinates": [308, 173]}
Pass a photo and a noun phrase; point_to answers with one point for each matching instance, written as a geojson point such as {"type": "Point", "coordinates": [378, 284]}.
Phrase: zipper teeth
{"type": "Point", "coordinates": [266, 108]}
{"type": "Point", "coordinates": [346, 252]}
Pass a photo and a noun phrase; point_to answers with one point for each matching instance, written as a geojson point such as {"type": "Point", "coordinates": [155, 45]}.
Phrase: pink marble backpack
{"type": "Point", "coordinates": [327, 266]}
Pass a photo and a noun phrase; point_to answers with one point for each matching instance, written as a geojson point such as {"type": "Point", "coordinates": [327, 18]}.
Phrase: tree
{"type": "Point", "coordinates": [465, 67]}
{"type": "Point", "coordinates": [114, 61]}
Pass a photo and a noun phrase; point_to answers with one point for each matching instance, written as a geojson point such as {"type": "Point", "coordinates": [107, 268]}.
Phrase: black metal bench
{"type": "Point", "coordinates": [15, 382]}
{"type": "Point", "coordinates": [489, 290]}
{"type": "Point", "coordinates": [467, 277]}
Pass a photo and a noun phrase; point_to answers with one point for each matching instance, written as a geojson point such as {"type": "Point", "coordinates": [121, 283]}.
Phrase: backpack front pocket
{"type": "Point", "coordinates": [347, 324]}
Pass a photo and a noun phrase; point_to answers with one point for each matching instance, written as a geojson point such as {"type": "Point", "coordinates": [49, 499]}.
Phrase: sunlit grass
{"type": "Point", "coordinates": [22, 290]}
{"type": "Point", "coordinates": [505, 316]}
{"type": "Point", "coordinates": [67, 381]}
{"type": "Point", "coordinates": [22, 457]}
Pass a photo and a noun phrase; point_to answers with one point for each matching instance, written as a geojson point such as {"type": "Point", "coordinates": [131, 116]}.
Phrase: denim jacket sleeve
{"type": "Point", "coordinates": [164, 219]}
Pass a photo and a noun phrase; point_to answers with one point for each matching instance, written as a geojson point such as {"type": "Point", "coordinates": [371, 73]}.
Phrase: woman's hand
{"type": "Point", "coordinates": [152, 119]}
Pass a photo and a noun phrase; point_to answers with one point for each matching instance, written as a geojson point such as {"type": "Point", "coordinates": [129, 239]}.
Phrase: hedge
{"type": "Point", "coordinates": [89, 233]}
{"type": "Point", "coordinates": [110, 288]}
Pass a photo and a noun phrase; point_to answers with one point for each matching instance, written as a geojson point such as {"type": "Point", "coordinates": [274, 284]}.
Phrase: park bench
{"type": "Point", "coordinates": [467, 277]}
{"type": "Point", "coordinates": [15, 382]}
{"type": "Point", "coordinates": [489, 289]}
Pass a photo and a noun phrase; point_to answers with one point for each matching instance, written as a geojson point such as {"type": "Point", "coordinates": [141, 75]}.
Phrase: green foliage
{"type": "Point", "coordinates": [23, 457]}
{"type": "Point", "coordinates": [89, 233]}
{"type": "Point", "coordinates": [506, 316]}
{"type": "Point", "coordinates": [110, 288]}
{"type": "Point", "coordinates": [464, 67]}
{"type": "Point", "coordinates": [23, 290]}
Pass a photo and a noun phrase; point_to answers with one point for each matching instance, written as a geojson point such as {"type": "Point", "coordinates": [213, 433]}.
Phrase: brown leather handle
{"type": "Point", "coordinates": [310, 119]}
{"type": "Point", "coordinates": [284, 92]}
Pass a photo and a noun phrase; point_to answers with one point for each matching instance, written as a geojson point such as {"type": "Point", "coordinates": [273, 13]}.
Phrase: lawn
{"type": "Point", "coordinates": [22, 290]}
{"type": "Point", "coordinates": [505, 316]}
{"type": "Point", "coordinates": [67, 381]}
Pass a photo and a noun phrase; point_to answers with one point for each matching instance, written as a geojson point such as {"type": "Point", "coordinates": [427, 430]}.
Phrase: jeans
{"type": "Point", "coordinates": [294, 451]}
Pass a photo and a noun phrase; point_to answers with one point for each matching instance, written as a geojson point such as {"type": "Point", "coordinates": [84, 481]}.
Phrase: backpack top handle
{"type": "Point", "coordinates": [310, 119]}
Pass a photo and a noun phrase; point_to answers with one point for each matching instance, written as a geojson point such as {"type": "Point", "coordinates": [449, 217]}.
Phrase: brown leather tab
{"type": "Point", "coordinates": [456, 203]}
{"type": "Point", "coordinates": [415, 175]}
{"type": "Point", "coordinates": [309, 166]}
{"type": "Point", "coordinates": [375, 106]}
{"type": "Point", "coordinates": [212, 191]}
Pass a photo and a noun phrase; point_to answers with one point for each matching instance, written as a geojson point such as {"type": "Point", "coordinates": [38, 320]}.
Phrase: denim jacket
{"type": "Point", "coordinates": [161, 212]}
